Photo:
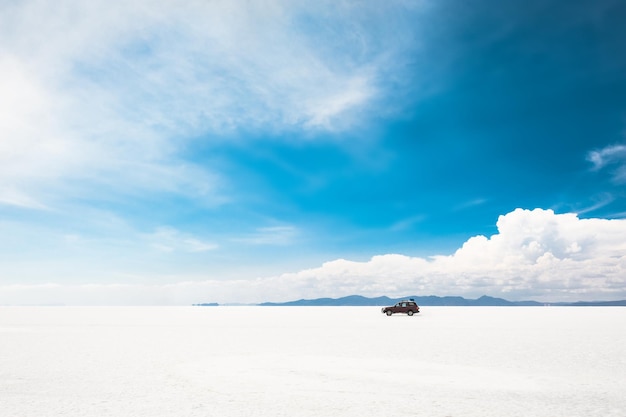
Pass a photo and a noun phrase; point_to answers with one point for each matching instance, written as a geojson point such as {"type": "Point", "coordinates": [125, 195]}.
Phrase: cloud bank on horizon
{"type": "Point", "coordinates": [536, 254]}
{"type": "Point", "coordinates": [154, 151]}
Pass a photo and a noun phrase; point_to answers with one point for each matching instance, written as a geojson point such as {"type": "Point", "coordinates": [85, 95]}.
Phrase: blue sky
{"type": "Point", "coordinates": [180, 152]}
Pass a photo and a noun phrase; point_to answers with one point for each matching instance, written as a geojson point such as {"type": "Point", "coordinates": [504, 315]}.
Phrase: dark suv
{"type": "Point", "coordinates": [409, 307]}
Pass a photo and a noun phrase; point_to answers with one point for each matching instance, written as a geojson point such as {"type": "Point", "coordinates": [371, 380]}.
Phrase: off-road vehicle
{"type": "Point", "coordinates": [409, 307]}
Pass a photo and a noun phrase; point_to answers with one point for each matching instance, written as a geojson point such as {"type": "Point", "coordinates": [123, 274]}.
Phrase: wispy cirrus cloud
{"type": "Point", "coordinates": [271, 235]}
{"type": "Point", "coordinates": [169, 239]}
{"type": "Point", "coordinates": [407, 223]}
{"type": "Point", "coordinates": [601, 200]}
{"type": "Point", "coordinates": [117, 90]}
{"type": "Point", "coordinates": [611, 157]}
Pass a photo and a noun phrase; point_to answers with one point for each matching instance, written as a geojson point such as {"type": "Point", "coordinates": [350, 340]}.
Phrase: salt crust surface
{"type": "Point", "coordinates": [312, 361]}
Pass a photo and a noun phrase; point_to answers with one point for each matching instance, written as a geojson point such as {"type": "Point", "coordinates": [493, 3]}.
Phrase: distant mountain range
{"type": "Point", "coordinates": [433, 300]}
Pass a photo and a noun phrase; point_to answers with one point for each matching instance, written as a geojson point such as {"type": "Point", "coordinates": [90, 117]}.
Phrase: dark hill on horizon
{"type": "Point", "coordinates": [433, 300]}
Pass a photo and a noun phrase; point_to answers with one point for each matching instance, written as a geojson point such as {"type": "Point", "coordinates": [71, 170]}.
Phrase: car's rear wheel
{"type": "Point", "coordinates": [388, 312]}
{"type": "Point", "coordinates": [410, 312]}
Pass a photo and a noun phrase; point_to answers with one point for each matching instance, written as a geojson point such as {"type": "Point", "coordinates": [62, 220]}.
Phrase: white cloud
{"type": "Point", "coordinates": [607, 155]}
{"type": "Point", "coordinates": [272, 235]}
{"type": "Point", "coordinates": [407, 223]}
{"type": "Point", "coordinates": [614, 156]}
{"type": "Point", "coordinates": [536, 254]}
{"type": "Point", "coordinates": [13, 197]}
{"type": "Point", "coordinates": [601, 200]}
{"type": "Point", "coordinates": [168, 239]}
{"type": "Point", "coordinates": [471, 204]}
{"type": "Point", "coordinates": [112, 90]}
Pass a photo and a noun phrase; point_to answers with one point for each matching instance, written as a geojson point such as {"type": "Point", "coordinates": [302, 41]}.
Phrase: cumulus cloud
{"type": "Point", "coordinates": [536, 254]}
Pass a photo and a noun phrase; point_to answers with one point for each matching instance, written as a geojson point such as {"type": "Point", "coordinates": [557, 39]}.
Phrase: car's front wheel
{"type": "Point", "coordinates": [388, 312]}
{"type": "Point", "coordinates": [410, 312]}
